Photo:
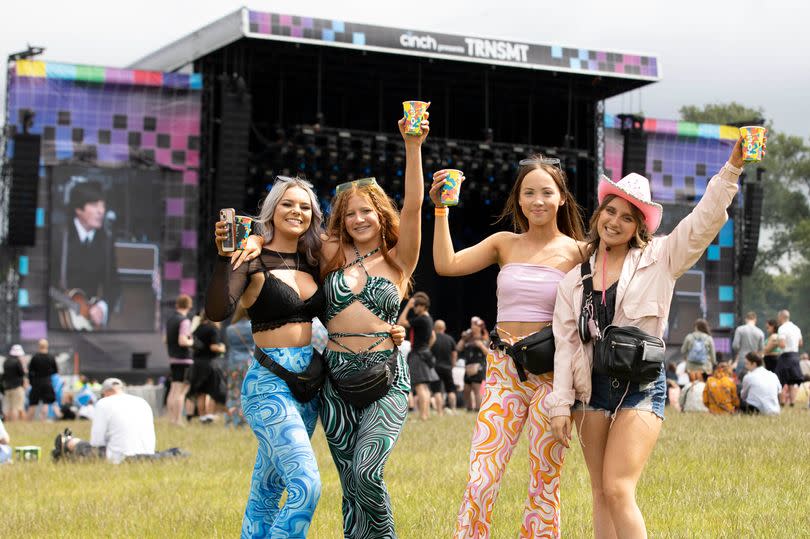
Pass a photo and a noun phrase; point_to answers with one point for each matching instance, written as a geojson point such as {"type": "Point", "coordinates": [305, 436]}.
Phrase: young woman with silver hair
{"type": "Point", "coordinates": [280, 290]}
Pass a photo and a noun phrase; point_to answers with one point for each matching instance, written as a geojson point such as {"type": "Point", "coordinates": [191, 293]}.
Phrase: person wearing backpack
{"type": "Point", "coordinates": [698, 350]}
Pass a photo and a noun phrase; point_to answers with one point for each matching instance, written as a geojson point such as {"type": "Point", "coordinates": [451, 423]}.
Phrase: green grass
{"type": "Point", "coordinates": [708, 477]}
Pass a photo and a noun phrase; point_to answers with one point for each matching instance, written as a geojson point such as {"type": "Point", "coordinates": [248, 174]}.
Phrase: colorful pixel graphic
{"type": "Point", "coordinates": [107, 117]}
{"type": "Point", "coordinates": [681, 158]}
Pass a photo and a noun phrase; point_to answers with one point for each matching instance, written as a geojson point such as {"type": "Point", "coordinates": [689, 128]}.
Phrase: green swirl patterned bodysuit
{"type": "Point", "coordinates": [361, 440]}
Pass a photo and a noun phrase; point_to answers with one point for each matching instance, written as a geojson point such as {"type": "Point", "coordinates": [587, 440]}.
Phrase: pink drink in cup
{"type": "Point", "coordinates": [452, 187]}
{"type": "Point", "coordinates": [414, 114]}
{"type": "Point", "coordinates": [753, 142]}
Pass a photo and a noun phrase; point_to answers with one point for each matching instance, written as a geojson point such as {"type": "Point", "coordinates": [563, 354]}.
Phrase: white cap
{"type": "Point", "coordinates": [110, 383]}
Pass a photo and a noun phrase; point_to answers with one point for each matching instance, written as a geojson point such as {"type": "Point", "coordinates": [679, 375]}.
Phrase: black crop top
{"type": "Point", "coordinates": [277, 303]}
{"type": "Point", "coordinates": [604, 313]}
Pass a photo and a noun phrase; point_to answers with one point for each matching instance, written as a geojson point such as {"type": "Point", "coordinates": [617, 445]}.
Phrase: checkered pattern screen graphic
{"type": "Point", "coordinates": [104, 117]}
{"type": "Point", "coordinates": [679, 164]}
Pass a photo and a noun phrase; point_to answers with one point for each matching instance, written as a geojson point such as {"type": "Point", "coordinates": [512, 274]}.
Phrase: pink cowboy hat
{"type": "Point", "coordinates": [635, 189]}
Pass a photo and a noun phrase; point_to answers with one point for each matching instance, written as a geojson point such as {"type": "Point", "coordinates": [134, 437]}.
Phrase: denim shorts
{"type": "Point", "coordinates": [611, 395]}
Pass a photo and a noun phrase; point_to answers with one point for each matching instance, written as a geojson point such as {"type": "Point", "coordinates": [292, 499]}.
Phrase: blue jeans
{"type": "Point", "coordinates": [285, 460]}
{"type": "Point", "coordinates": [611, 395]}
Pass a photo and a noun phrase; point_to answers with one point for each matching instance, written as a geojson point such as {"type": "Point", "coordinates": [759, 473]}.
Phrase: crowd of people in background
{"type": "Point", "coordinates": [34, 390]}
{"type": "Point", "coordinates": [450, 371]}
{"type": "Point", "coordinates": [762, 375]}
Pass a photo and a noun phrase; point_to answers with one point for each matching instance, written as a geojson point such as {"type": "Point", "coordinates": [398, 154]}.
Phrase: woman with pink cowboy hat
{"type": "Point", "coordinates": [631, 283]}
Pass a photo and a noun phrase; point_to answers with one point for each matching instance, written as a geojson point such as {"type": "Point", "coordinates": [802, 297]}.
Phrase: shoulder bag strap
{"type": "Point", "coordinates": [587, 316]}
{"type": "Point", "coordinates": [587, 278]}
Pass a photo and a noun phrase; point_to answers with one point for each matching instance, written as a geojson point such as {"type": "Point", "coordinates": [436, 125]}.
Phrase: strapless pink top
{"type": "Point", "coordinates": [527, 292]}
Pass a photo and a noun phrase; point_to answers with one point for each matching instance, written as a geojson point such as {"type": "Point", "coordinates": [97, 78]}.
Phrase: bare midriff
{"type": "Point", "coordinates": [518, 330]}
{"type": "Point", "coordinates": [291, 335]}
{"type": "Point", "coordinates": [357, 319]}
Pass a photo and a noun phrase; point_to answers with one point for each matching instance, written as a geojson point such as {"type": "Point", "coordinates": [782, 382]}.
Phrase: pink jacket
{"type": "Point", "coordinates": [642, 301]}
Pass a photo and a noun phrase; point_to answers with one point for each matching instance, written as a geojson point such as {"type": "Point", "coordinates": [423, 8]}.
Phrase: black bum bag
{"type": "Point", "coordinates": [367, 386]}
{"type": "Point", "coordinates": [534, 353]}
{"type": "Point", "coordinates": [304, 386]}
{"type": "Point", "coordinates": [628, 353]}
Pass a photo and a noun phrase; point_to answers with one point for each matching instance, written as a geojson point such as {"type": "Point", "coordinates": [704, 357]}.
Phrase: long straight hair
{"type": "Point", "coordinates": [309, 244]}
{"type": "Point", "coordinates": [569, 215]}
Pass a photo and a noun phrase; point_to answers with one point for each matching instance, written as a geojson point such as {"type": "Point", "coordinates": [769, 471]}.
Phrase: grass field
{"type": "Point", "coordinates": [735, 477]}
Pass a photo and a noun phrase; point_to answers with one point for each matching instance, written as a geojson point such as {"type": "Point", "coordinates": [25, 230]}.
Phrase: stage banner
{"type": "Point", "coordinates": [117, 207]}
{"type": "Point", "coordinates": [338, 33]}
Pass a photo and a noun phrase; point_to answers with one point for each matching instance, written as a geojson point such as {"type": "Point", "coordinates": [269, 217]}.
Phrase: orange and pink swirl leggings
{"type": "Point", "coordinates": [507, 405]}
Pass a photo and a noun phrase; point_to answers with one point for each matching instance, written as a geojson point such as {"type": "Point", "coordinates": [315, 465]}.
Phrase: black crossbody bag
{"type": "Point", "coordinates": [534, 353]}
{"type": "Point", "coordinates": [622, 352]}
{"type": "Point", "coordinates": [304, 386]}
{"type": "Point", "coordinates": [365, 387]}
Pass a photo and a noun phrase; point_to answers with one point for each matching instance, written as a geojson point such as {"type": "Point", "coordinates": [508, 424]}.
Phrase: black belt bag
{"type": "Point", "coordinates": [367, 386]}
{"type": "Point", "coordinates": [534, 353]}
{"type": "Point", "coordinates": [628, 353]}
{"type": "Point", "coordinates": [304, 386]}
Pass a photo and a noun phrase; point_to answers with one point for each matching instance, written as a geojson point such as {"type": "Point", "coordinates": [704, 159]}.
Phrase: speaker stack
{"type": "Point", "coordinates": [752, 216]}
{"type": "Point", "coordinates": [232, 144]}
{"type": "Point", "coordinates": [634, 158]}
{"type": "Point", "coordinates": [23, 190]}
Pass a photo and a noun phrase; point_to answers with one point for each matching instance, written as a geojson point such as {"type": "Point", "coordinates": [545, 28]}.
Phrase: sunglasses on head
{"type": "Point", "coordinates": [550, 161]}
{"type": "Point", "coordinates": [345, 186]}
{"type": "Point", "coordinates": [288, 179]}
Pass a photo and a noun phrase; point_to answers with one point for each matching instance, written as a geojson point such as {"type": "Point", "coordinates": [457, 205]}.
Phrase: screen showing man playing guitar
{"type": "Point", "coordinates": [84, 268]}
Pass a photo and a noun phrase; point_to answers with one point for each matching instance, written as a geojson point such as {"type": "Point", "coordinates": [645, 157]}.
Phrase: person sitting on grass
{"type": "Point", "coordinates": [691, 398]}
{"type": "Point", "coordinates": [123, 428]}
{"type": "Point", "coordinates": [720, 393]}
{"type": "Point", "coordinates": [760, 388]}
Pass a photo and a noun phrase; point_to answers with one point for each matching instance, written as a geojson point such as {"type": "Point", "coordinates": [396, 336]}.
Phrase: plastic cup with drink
{"type": "Point", "coordinates": [452, 187]}
{"type": "Point", "coordinates": [753, 143]}
{"type": "Point", "coordinates": [414, 114]}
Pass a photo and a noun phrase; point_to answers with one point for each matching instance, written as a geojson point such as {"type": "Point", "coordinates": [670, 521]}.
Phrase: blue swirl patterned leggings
{"type": "Point", "coordinates": [361, 442]}
{"type": "Point", "coordinates": [283, 427]}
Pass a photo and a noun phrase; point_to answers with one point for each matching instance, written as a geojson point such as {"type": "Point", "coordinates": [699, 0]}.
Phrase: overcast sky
{"type": "Point", "coordinates": [755, 53]}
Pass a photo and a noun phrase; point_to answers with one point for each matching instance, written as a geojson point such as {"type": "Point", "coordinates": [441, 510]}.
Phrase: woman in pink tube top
{"type": "Point", "coordinates": [544, 247]}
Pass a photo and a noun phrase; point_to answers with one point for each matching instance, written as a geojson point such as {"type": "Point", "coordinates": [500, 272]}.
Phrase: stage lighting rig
{"type": "Point", "coordinates": [631, 122]}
